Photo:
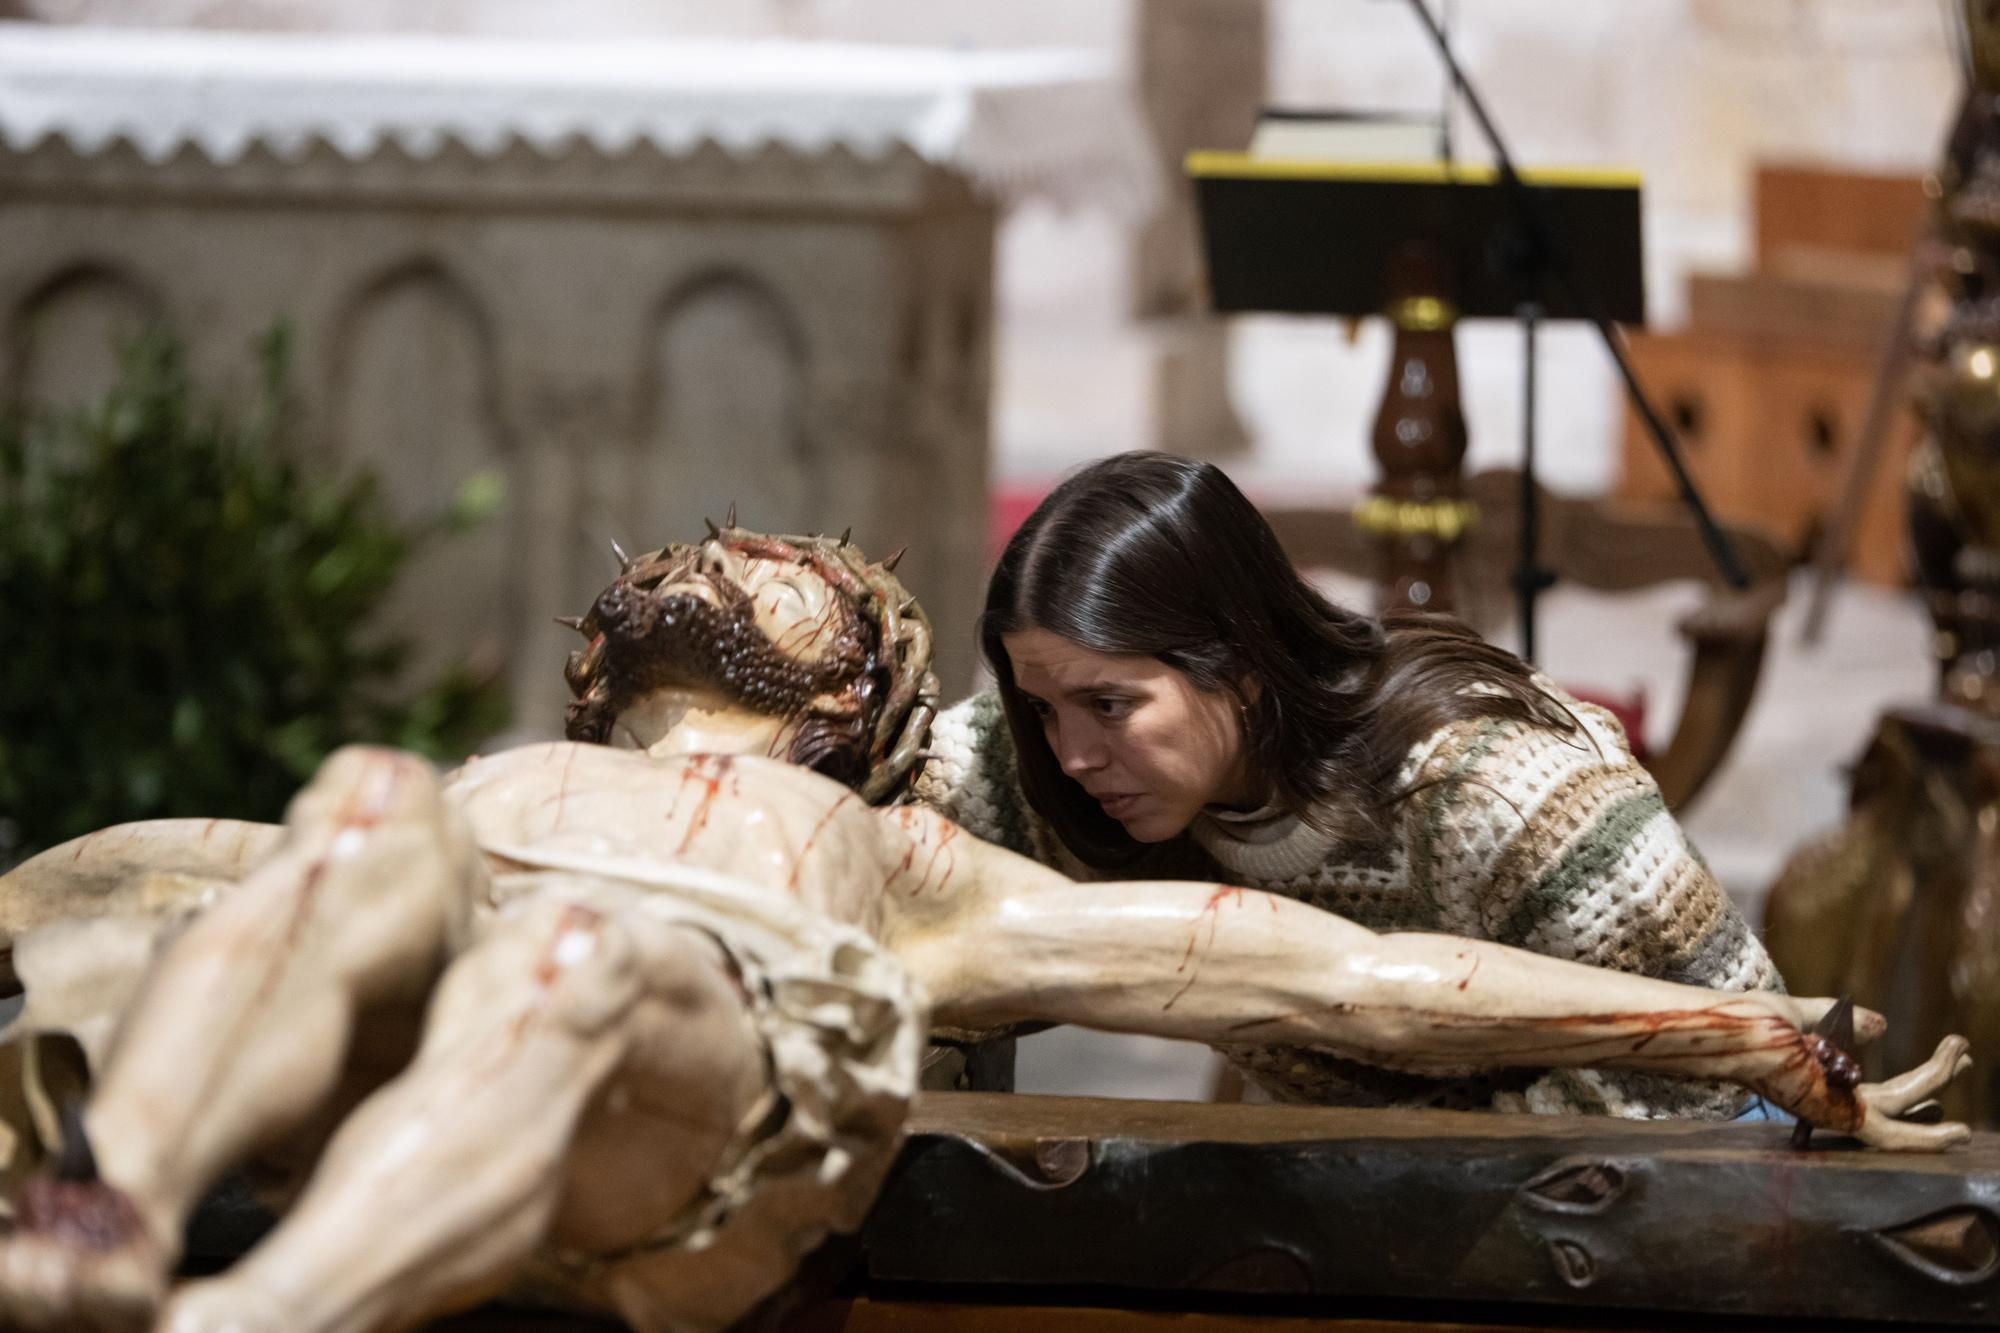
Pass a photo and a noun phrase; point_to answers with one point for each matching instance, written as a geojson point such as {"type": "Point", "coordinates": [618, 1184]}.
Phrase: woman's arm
{"type": "Point", "coordinates": [1562, 845]}
{"type": "Point", "coordinates": [1218, 964]}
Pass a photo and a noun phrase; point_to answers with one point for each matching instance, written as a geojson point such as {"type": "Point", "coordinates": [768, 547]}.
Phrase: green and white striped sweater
{"type": "Point", "coordinates": [1552, 843]}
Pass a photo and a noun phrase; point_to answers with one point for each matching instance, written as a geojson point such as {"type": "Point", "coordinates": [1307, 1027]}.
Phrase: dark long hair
{"type": "Point", "coordinates": [1147, 553]}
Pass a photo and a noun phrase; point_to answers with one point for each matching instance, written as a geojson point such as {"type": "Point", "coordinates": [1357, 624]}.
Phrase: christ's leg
{"type": "Point", "coordinates": [240, 1030]}
{"type": "Point", "coordinates": [582, 1074]}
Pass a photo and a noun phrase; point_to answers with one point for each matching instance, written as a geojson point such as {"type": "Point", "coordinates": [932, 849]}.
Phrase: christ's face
{"type": "Point", "coordinates": [720, 647]}
{"type": "Point", "coordinates": [799, 613]}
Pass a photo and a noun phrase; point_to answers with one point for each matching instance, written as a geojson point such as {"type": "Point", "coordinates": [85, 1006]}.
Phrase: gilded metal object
{"type": "Point", "coordinates": [1445, 520]}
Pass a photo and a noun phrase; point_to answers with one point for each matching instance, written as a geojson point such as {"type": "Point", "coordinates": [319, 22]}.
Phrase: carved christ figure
{"type": "Point", "coordinates": [636, 1019]}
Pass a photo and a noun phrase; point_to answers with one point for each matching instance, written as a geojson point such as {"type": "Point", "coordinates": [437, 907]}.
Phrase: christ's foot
{"type": "Point", "coordinates": [78, 1260]}
{"type": "Point", "coordinates": [224, 1305]}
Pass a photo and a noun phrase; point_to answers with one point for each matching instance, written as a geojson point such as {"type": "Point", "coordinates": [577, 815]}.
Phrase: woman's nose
{"type": "Point", "coordinates": [1080, 758]}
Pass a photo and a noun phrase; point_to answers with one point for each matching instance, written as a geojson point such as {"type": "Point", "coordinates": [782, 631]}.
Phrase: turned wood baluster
{"type": "Point", "coordinates": [1418, 509]}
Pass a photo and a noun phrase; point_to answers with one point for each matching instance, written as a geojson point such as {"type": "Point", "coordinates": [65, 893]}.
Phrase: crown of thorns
{"type": "Point", "coordinates": [865, 705]}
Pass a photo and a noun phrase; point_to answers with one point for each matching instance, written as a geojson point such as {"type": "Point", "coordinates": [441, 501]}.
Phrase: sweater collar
{"type": "Point", "coordinates": [1262, 845]}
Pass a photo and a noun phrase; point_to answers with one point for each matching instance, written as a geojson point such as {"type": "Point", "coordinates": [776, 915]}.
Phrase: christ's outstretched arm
{"type": "Point", "coordinates": [1226, 965]}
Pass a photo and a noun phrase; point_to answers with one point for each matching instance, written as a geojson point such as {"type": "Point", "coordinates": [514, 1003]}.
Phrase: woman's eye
{"type": "Point", "coordinates": [1112, 709]}
{"type": "Point", "coordinates": [1042, 710]}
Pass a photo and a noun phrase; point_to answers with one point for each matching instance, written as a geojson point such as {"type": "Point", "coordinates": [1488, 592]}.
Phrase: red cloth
{"type": "Point", "coordinates": [1006, 512]}
{"type": "Point", "coordinates": [1630, 710]}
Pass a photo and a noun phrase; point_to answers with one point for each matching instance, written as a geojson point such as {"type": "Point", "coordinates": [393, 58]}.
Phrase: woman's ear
{"type": "Point", "coordinates": [1250, 688]}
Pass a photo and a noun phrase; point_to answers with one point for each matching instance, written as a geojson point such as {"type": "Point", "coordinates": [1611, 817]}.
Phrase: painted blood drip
{"type": "Point", "coordinates": [1707, 1032]}
{"type": "Point", "coordinates": [943, 860]}
{"type": "Point", "coordinates": [548, 969]}
{"type": "Point", "coordinates": [805, 635]}
{"type": "Point", "coordinates": [1732, 1033]}
{"type": "Point", "coordinates": [91, 1216]}
{"type": "Point", "coordinates": [1211, 914]}
{"type": "Point", "coordinates": [1839, 1108]}
{"type": "Point", "coordinates": [574, 917]}
{"type": "Point", "coordinates": [362, 807]}
{"type": "Point", "coordinates": [704, 773]}
{"type": "Point", "coordinates": [906, 819]}
{"type": "Point", "coordinates": [370, 798]}
{"type": "Point", "coordinates": [561, 799]}
{"type": "Point", "coordinates": [799, 863]}
{"type": "Point", "coordinates": [902, 868]}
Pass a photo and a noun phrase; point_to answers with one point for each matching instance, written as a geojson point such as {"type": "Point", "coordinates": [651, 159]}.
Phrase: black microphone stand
{"type": "Point", "coordinates": [1535, 259]}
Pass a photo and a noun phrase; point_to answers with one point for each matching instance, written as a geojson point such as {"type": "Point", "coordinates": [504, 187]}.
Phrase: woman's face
{"type": "Point", "coordinates": [1140, 738]}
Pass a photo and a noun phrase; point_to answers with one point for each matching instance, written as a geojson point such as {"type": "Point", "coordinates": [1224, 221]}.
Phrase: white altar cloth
{"type": "Point", "coordinates": [1053, 123]}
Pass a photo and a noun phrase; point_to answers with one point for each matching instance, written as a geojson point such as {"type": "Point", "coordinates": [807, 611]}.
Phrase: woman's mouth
{"type": "Point", "coordinates": [1119, 804]}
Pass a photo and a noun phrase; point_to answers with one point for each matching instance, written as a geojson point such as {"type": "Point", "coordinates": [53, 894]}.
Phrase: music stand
{"type": "Point", "coordinates": [1299, 236]}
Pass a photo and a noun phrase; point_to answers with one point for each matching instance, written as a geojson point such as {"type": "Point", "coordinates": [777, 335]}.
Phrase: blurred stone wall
{"type": "Point", "coordinates": [630, 343]}
{"type": "Point", "coordinates": [1691, 92]}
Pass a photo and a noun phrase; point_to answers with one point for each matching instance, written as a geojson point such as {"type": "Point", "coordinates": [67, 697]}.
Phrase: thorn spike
{"type": "Point", "coordinates": [714, 533]}
{"type": "Point", "coordinates": [845, 534]}
{"type": "Point", "coordinates": [729, 519]}
{"type": "Point", "coordinates": [894, 558]}
{"type": "Point", "coordinates": [571, 622]}
{"type": "Point", "coordinates": [624, 560]}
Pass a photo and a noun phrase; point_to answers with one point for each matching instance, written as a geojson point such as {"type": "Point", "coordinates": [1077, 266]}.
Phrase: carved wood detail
{"type": "Point", "coordinates": [1322, 1211]}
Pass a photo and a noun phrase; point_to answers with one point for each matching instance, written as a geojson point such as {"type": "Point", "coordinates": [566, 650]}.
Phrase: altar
{"type": "Point", "coordinates": [638, 281]}
{"type": "Point", "coordinates": [1168, 1212]}
{"type": "Point", "coordinates": [1012, 1211]}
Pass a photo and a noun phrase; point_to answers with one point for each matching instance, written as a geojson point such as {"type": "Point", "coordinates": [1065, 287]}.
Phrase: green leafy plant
{"type": "Point", "coordinates": [186, 609]}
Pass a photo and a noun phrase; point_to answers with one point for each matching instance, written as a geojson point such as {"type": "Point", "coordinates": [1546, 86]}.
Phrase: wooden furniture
{"type": "Point", "coordinates": [1146, 1208]}
{"type": "Point", "coordinates": [1586, 542]}
{"type": "Point", "coordinates": [1418, 513]}
{"type": "Point", "coordinates": [1768, 386]}
{"type": "Point", "coordinates": [1802, 210]}
{"type": "Point", "coordinates": [1770, 430]}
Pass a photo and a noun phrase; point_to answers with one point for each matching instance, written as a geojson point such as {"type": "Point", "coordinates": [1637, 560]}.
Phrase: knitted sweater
{"type": "Point", "coordinates": [1523, 836]}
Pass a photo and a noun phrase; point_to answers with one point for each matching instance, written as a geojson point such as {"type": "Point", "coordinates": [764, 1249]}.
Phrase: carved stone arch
{"type": "Point", "coordinates": [724, 413]}
{"type": "Point", "coordinates": [414, 397]}
{"type": "Point", "coordinates": [64, 335]}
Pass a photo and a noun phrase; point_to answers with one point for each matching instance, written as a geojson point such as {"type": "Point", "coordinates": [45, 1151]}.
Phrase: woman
{"type": "Point", "coordinates": [1174, 699]}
